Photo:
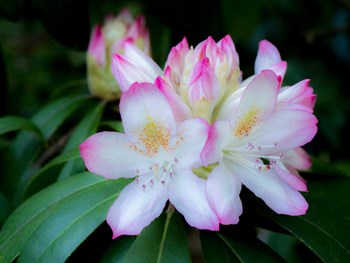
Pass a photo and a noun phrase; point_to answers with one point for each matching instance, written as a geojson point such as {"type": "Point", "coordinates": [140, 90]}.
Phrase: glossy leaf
{"type": "Point", "coordinates": [43, 176]}
{"type": "Point", "coordinates": [4, 209]}
{"type": "Point", "coordinates": [325, 227]}
{"type": "Point", "coordinates": [164, 240]}
{"type": "Point", "coordinates": [26, 146]}
{"type": "Point", "coordinates": [55, 221]}
{"type": "Point", "coordinates": [13, 123]}
{"type": "Point", "coordinates": [220, 247]}
{"type": "Point", "coordinates": [85, 128]}
{"type": "Point", "coordinates": [118, 249]}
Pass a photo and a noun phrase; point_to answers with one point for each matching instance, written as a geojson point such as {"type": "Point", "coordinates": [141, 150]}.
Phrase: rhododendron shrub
{"type": "Point", "coordinates": [199, 149]}
{"type": "Point", "coordinates": [251, 124]}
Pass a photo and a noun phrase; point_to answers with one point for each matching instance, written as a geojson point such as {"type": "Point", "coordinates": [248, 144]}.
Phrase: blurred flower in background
{"type": "Point", "coordinates": [110, 39]}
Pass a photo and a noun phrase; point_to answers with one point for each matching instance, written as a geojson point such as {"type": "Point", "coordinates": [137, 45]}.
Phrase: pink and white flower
{"type": "Point", "coordinates": [110, 39]}
{"type": "Point", "coordinates": [249, 147]}
{"type": "Point", "coordinates": [160, 154]}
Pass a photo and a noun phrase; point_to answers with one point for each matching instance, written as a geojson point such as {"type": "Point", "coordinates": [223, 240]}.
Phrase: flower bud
{"type": "Point", "coordinates": [110, 39]}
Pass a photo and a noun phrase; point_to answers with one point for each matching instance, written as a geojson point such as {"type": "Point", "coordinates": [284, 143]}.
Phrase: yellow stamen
{"type": "Point", "coordinates": [153, 136]}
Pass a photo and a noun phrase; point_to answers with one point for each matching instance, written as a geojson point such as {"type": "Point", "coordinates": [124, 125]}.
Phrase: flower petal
{"type": "Point", "coordinates": [293, 180]}
{"type": "Point", "coordinates": [134, 66]}
{"type": "Point", "coordinates": [287, 129]}
{"type": "Point", "coordinates": [127, 72]}
{"type": "Point", "coordinates": [222, 190]}
{"type": "Point", "coordinates": [193, 134]}
{"type": "Point", "coordinates": [109, 154]}
{"type": "Point", "coordinates": [297, 158]}
{"type": "Point", "coordinates": [136, 207]}
{"type": "Point", "coordinates": [97, 45]}
{"type": "Point", "coordinates": [133, 53]}
{"type": "Point", "coordinates": [144, 103]}
{"type": "Point", "coordinates": [187, 194]}
{"type": "Point", "coordinates": [265, 83]}
{"type": "Point", "coordinates": [177, 55]}
{"type": "Point", "coordinates": [269, 58]}
{"type": "Point", "coordinates": [219, 136]}
{"type": "Point", "coordinates": [300, 93]}
{"type": "Point", "coordinates": [180, 109]}
{"type": "Point", "coordinates": [277, 194]}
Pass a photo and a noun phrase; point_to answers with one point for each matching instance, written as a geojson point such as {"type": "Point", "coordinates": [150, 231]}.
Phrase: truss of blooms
{"type": "Point", "coordinates": [196, 132]}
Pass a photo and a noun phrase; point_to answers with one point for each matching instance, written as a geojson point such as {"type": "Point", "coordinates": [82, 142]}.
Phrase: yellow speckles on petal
{"type": "Point", "coordinates": [246, 123]}
{"type": "Point", "coordinates": [153, 136]}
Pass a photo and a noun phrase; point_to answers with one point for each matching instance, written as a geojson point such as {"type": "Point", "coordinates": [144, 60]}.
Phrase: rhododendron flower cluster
{"type": "Point", "coordinates": [110, 39]}
{"type": "Point", "coordinates": [195, 132]}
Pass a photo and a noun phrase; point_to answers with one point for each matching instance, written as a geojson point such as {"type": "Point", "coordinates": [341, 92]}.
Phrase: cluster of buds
{"type": "Point", "coordinates": [195, 132]}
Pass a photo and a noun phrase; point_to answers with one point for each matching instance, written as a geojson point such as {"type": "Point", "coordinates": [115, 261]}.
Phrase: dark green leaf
{"type": "Point", "coordinates": [162, 241]}
{"type": "Point", "coordinates": [26, 146]}
{"type": "Point", "coordinates": [118, 249]}
{"type": "Point", "coordinates": [220, 247]}
{"type": "Point", "coordinates": [86, 127]}
{"type": "Point", "coordinates": [325, 227]}
{"type": "Point", "coordinates": [43, 177]}
{"type": "Point", "coordinates": [114, 125]}
{"type": "Point", "coordinates": [4, 209]}
{"type": "Point", "coordinates": [55, 221]}
{"type": "Point", "coordinates": [13, 123]}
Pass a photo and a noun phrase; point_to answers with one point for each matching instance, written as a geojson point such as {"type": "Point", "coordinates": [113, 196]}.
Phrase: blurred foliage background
{"type": "Point", "coordinates": [43, 45]}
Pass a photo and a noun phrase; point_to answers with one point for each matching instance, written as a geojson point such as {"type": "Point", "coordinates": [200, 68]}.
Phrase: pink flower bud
{"type": "Point", "coordinates": [107, 40]}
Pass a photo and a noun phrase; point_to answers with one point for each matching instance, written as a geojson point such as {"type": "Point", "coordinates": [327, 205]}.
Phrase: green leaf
{"type": "Point", "coordinates": [162, 241]}
{"type": "Point", "coordinates": [114, 125]}
{"type": "Point", "coordinates": [51, 224]}
{"type": "Point", "coordinates": [26, 146]}
{"type": "Point", "coordinates": [325, 227]}
{"type": "Point", "coordinates": [4, 209]}
{"type": "Point", "coordinates": [13, 123]}
{"type": "Point", "coordinates": [43, 177]}
{"type": "Point", "coordinates": [86, 127]}
{"type": "Point", "coordinates": [237, 247]}
{"type": "Point", "coordinates": [118, 249]}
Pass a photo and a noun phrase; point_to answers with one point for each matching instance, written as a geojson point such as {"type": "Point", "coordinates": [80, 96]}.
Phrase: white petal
{"type": "Point", "coordinates": [109, 154]}
{"type": "Point", "coordinates": [222, 190]}
{"type": "Point", "coordinates": [136, 207]}
{"type": "Point", "coordinates": [192, 135]}
{"type": "Point", "coordinates": [220, 134]}
{"type": "Point", "coordinates": [143, 61]}
{"type": "Point", "coordinates": [288, 128]}
{"type": "Point", "coordinates": [187, 194]}
{"type": "Point", "coordinates": [260, 94]}
{"type": "Point", "coordinates": [276, 193]}
{"type": "Point", "coordinates": [144, 103]}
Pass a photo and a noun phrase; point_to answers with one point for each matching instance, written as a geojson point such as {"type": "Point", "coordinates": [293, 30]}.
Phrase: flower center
{"type": "Point", "coordinates": [154, 136]}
